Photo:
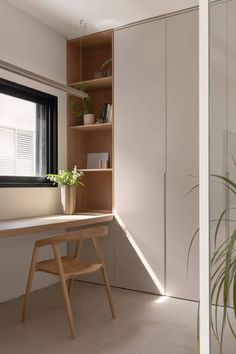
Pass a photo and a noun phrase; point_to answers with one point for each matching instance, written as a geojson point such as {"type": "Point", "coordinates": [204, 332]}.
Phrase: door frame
{"type": "Point", "coordinates": [204, 180]}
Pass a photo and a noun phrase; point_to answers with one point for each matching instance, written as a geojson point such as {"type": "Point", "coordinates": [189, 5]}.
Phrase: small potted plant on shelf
{"type": "Point", "coordinates": [68, 180]}
{"type": "Point", "coordinates": [83, 108]}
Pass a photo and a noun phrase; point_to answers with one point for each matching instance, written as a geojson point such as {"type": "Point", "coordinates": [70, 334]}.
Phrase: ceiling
{"type": "Point", "coordinates": [64, 16]}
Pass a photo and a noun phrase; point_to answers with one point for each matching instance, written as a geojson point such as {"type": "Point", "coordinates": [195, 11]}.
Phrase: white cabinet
{"type": "Point", "coordinates": [139, 147]}
{"type": "Point", "coordinates": [182, 154]}
{"type": "Point", "coordinates": [156, 132]}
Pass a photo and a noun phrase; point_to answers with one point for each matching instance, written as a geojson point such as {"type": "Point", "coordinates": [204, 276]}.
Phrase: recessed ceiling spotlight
{"type": "Point", "coordinates": [83, 25]}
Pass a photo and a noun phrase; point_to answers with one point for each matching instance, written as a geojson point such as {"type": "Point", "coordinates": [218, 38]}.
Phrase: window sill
{"type": "Point", "coordinates": [25, 182]}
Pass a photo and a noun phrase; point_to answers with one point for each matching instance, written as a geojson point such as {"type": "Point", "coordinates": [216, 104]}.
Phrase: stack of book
{"type": "Point", "coordinates": [98, 160]}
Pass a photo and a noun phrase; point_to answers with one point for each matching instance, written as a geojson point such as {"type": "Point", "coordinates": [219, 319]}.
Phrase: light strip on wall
{"type": "Point", "coordinates": [139, 253]}
{"type": "Point", "coordinates": [43, 80]}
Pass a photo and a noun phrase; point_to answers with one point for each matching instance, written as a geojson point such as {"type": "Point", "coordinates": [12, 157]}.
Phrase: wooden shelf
{"type": "Point", "coordinates": [95, 169]}
{"type": "Point", "coordinates": [93, 127]}
{"type": "Point", "coordinates": [95, 84]}
{"type": "Point", "coordinates": [85, 56]}
{"type": "Point", "coordinates": [95, 212]}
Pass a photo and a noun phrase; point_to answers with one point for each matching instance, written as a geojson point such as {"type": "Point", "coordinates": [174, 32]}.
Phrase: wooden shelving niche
{"type": "Point", "coordinates": [89, 61]}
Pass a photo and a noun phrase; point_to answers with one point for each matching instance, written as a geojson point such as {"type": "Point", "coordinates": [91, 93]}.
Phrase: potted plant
{"type": "Point", "coordinates": [68, 180]}
{"type": "Point", "coordinates": [83, 108]}
{"type": "Point", "coordinates": [223, 277]}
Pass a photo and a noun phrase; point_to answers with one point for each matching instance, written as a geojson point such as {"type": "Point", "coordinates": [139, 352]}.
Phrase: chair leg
{"type": "Point", "coordinates": [29, 283]}
{"type": "Point", "coordinates": [68, 307]}
{"type": "Point", "coordinates": [64, 290]}
{"type": "Point", "coordinates": [105, 275]}
{"type": "Point", "coordinates": [108, 290]}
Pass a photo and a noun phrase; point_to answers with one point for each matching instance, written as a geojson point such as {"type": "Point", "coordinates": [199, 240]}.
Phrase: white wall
{"type": "Point", "coordinates": [30, 45]}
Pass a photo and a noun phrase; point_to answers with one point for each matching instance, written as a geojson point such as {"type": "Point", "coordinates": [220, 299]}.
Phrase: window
{"type": "Point", "coordinates": [28, 136]}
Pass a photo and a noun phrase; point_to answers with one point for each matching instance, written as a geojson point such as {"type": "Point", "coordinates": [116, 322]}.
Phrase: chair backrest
{"type": "Point", "coordinates": [79, 235]}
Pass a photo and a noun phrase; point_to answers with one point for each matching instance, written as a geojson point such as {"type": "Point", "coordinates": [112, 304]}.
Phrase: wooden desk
{"type": "Point", "coordinates": [18, 227]}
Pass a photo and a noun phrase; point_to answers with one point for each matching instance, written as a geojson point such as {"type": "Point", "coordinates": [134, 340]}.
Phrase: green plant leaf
{"type": "Point", "coordinates": [234, 295]}
{"type": "Point", "coordinates": [63, 178]}
{"type": "Point", "coordinates": [227, 180]}
{"type": "Point", "coordinates": [190, 247]}
{"type": "Point", "coordinates": [231, 326]}
{"type": "Point", "coordinates": [191, 190]}
{"type": "Point", "coordinates": [223, 279]}
{"type": "Point", "coordinates": [218, 224]}
{"type": "Point", "coordinates": [227, 283]}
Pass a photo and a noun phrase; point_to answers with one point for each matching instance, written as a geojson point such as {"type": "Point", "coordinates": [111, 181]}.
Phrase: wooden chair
{"type": "Point", "coordinates": [67, 268]}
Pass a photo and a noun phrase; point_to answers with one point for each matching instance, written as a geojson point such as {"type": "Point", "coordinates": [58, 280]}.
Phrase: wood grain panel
{"type": "Point", "coordinates": [93, 51]}
{"type": "Point", "coordinates": [17, 227]}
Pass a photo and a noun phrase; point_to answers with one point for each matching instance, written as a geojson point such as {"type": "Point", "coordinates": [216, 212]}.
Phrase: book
{"type": "Point", "coordinates": [97, 160]}
{"type": "Point", "coordinates": [109, 113]}
{"type": "Point", "coordinates": [103, 115]}
{"type": "Point", "coordinates": [106, 115]}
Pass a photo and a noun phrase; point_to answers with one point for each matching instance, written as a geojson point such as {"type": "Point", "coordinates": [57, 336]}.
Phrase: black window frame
{"type": "Point", "coordinates": [51, 103]}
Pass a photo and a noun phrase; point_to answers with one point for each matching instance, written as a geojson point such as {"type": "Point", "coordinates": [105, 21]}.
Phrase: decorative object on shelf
{"type": "Point", "coordinates": [106, 114]}
{"type": "Point", "coordinates": [109, 114]}
{"type": "Point", "coordinates": [97, 160]}
{"type": "Point", "coordinates": [102, 72]}
{"type": "Point", "coordinates": [83, 108]}
{"type": "Point", "coordinates": [68, 180]}
{"type": "Point", "coordinates": [89, 118]}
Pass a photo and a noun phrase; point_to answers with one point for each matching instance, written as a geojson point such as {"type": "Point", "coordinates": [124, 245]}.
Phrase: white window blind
{"type": "Point", "coordinates": [16, 152]}
{"type": "Point", "coordinates": [7, 151]}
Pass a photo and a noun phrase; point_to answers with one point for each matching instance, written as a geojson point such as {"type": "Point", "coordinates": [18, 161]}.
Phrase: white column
{"type": "Point", "coordinates": [204, 177]}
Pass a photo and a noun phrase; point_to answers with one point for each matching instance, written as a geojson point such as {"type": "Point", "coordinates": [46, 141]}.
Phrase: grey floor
{"type": "Point", "coordinates": [144, 324]}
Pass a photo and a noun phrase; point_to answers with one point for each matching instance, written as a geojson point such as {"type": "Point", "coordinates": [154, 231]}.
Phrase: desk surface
{"type": "Point", "coordinates": [17, 227]}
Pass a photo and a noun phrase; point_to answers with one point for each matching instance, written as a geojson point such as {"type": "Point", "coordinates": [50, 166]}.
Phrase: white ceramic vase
{"type": "Point", "coordinates": [89, 118]}
{"type": "Point", "coordinates": [68, 199]}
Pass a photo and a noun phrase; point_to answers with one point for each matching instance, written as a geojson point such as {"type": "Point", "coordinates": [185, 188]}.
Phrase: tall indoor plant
{"type": "Point", "coordinates": [223, 277]}
{"type": "Point", "coordinates": [68, 181]}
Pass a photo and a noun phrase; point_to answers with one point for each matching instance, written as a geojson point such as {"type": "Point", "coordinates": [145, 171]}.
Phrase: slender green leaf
{"type": "Point", "coordinates": [227, 180]}
{"type": "Point", "coordinates": [190, 247]}
{"type": "Point", "coordinates": [223, 260]}
{"type": "Point", "coordinates": [231, 326]}
{"type": "Point", "coordinates": [191, 190]}
{"type": "Point", "coordinates": [234, 295]}
{"type": "Point", "coordinates": [218, 224]}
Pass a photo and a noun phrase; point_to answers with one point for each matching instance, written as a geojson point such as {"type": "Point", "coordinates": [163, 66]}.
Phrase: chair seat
{"type": "Point", "coordinates": [72, 266]}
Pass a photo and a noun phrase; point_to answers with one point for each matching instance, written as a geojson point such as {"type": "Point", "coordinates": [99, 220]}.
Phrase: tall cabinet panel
{"type": "Point", "coordinates": [182, 154]}
{"type": "Point", "coordinates": [139, 146]}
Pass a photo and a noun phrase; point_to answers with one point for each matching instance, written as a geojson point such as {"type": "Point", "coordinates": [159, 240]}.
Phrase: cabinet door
{"type": "Point", "coordinates": [182, 154]}
{"type": "Point", "coordinates": [139, 148]}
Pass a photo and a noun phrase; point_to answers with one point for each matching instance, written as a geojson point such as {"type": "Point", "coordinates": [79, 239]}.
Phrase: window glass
{"type": "Point", "coordinates": [28, 134]}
